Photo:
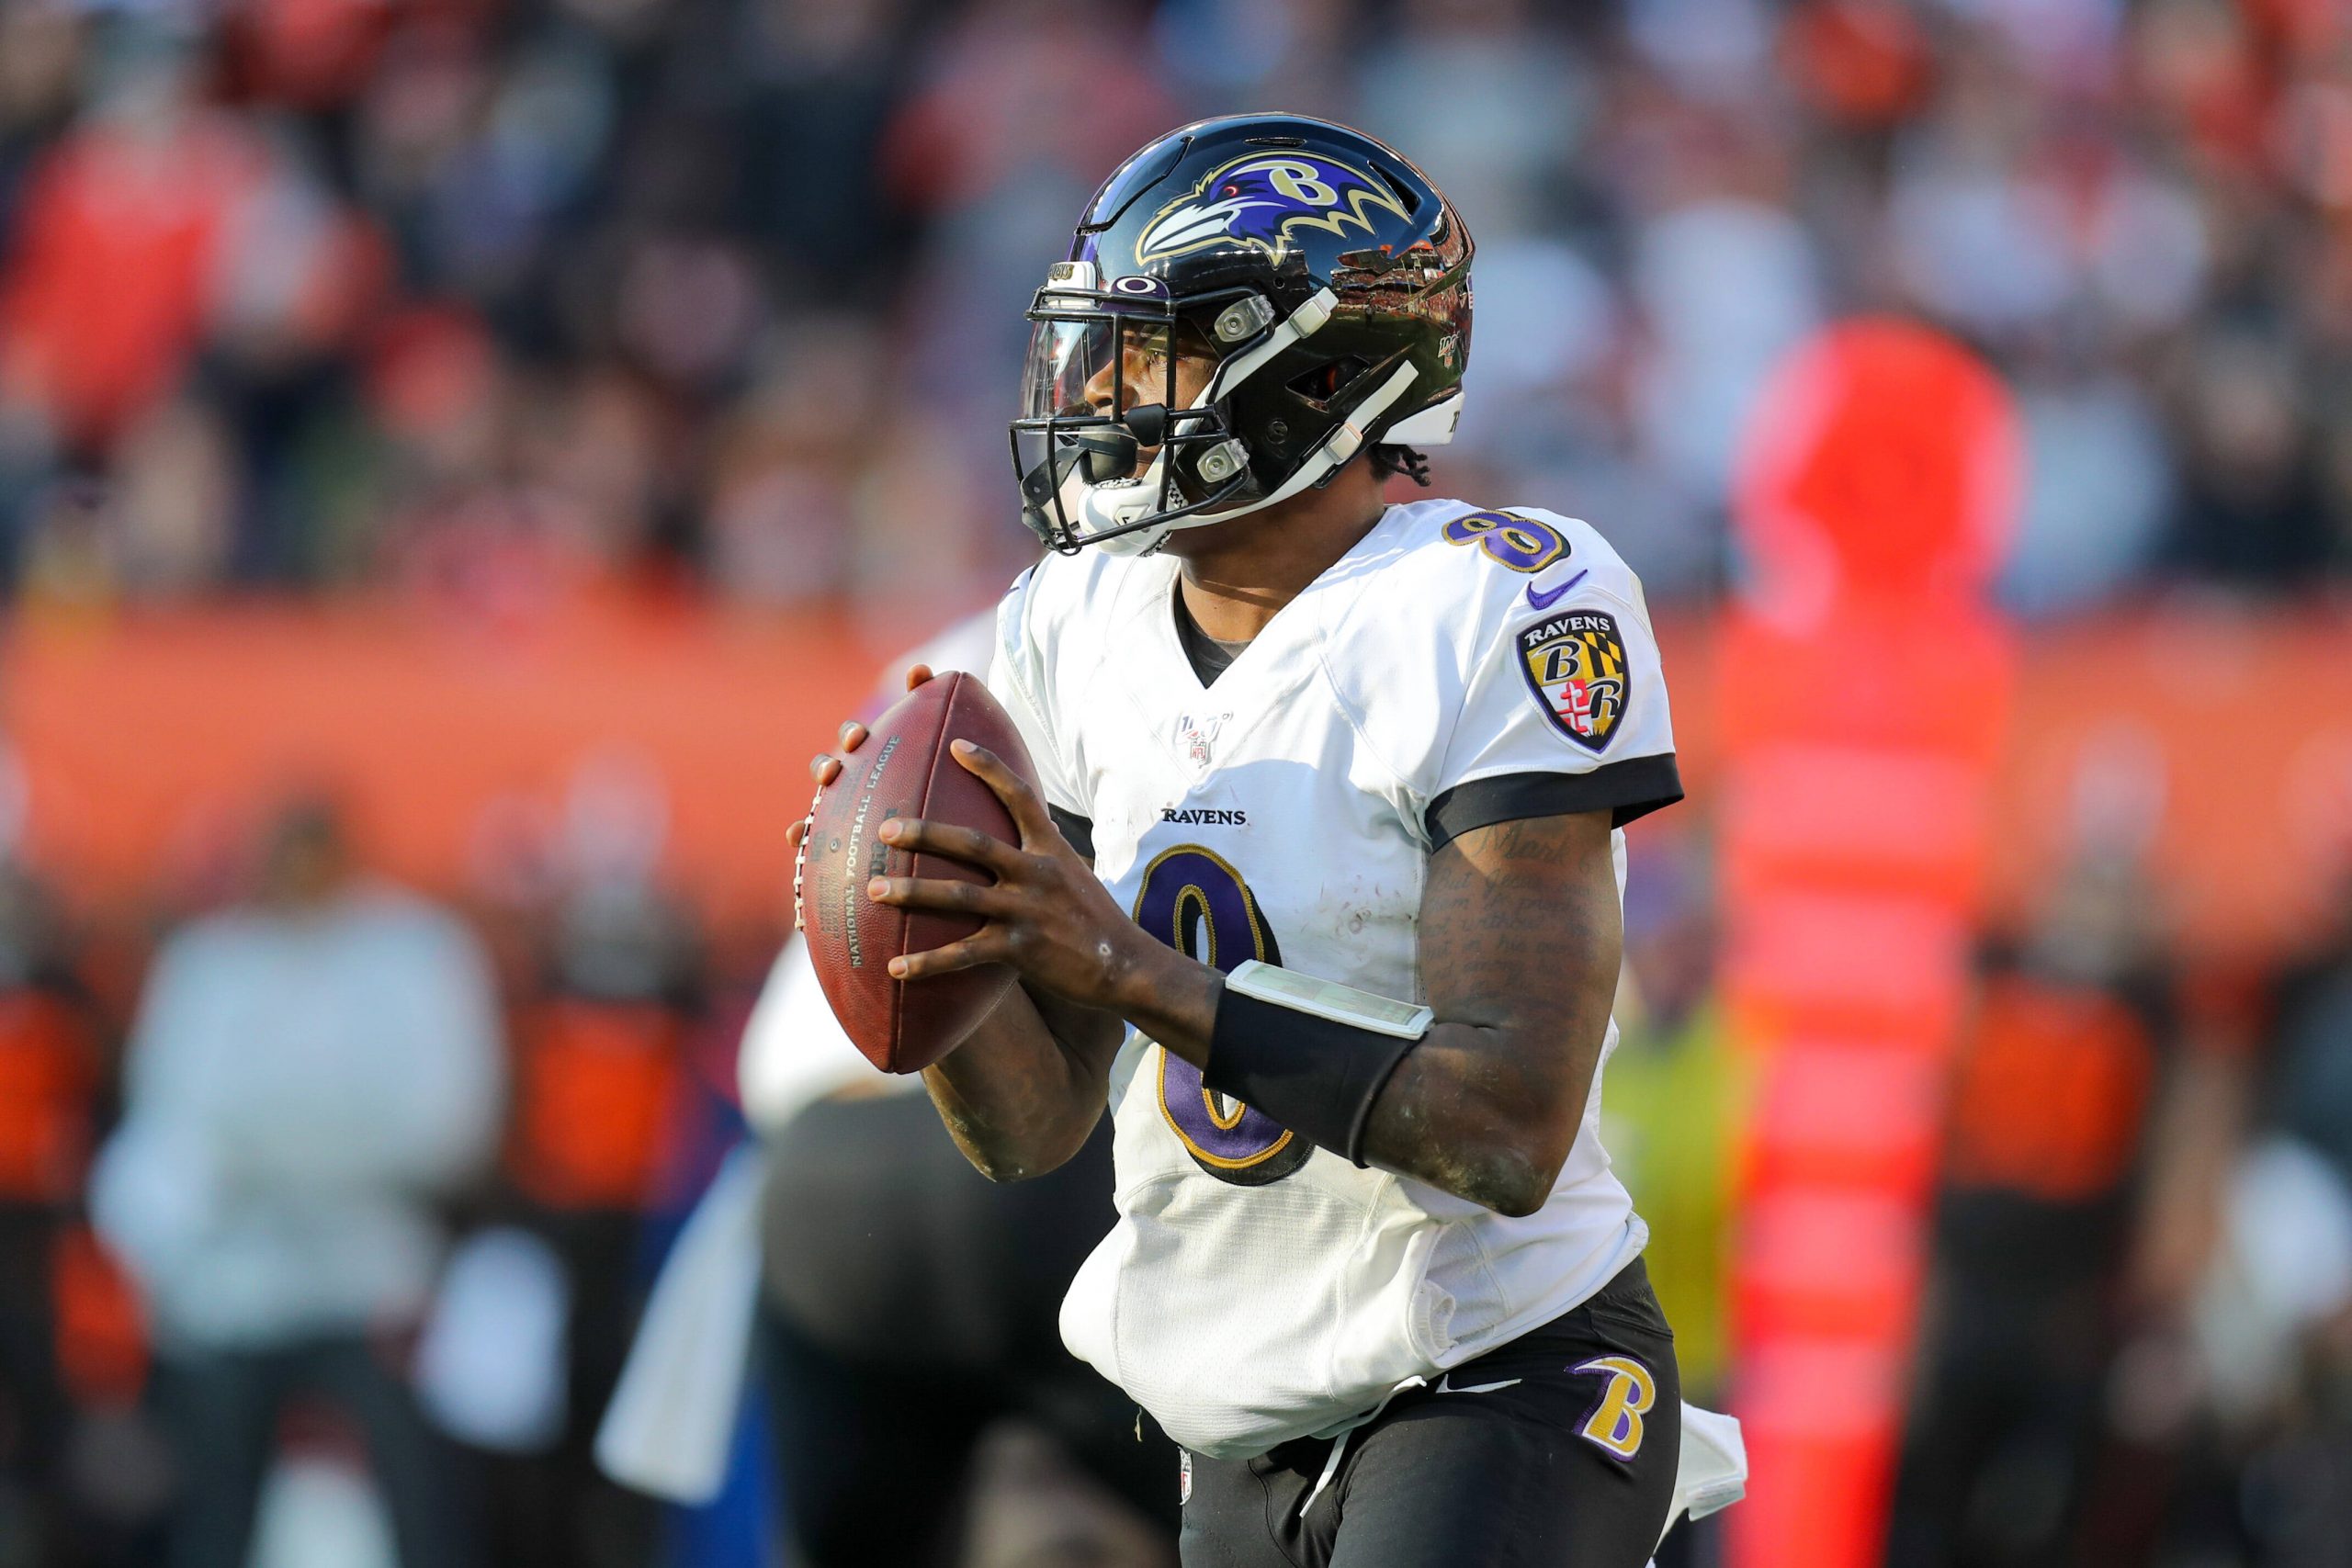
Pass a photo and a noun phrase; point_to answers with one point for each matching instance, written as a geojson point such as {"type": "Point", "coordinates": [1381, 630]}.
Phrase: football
{"type": "Point", "coordinates": [904, 768]}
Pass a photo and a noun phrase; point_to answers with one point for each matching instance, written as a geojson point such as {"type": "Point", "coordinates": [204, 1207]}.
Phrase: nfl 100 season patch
{"type": "Point", "coordinates": [1575, 666]}
{"type": "Point", "coordinates": [1196, 736]}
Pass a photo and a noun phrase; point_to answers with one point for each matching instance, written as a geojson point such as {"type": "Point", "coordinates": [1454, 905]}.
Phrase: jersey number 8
{"type": "Point", "coordinates": [1195, 902]}
{"type": "Point", "coordinates": [1519, 543]}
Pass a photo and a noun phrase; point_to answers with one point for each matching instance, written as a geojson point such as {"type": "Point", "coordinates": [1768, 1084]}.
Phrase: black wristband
{"type": "Point", "coordinates": [1317, 1077]}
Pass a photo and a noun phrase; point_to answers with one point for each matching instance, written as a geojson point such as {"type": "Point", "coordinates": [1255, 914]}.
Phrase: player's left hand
{"type": "Point", "coordinates": [1047, 916]}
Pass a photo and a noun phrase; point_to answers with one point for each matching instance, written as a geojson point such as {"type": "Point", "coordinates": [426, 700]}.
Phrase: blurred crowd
{"type": "Point", "coordinates": [501, 299]}
{"type": "Point", "coordinates": [491, 302]}
{"type": "Point", "coordinates": [327, 1209]}
{"type": "Point", "coordinates": [2134, 1349]}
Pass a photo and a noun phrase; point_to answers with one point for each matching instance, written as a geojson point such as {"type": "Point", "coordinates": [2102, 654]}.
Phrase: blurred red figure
{"type": "Point", "coordinates": [307, 1073]}
{"type": "Point", "coordinates": [112, 273]}
{"type": "Point", "coordinates": [51, 1064]}
{"type": "Point", "coordinates": [1865, 687]}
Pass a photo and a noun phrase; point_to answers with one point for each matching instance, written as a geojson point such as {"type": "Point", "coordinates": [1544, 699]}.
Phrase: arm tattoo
{"type": "Point", "coordinates": [1520, 938]}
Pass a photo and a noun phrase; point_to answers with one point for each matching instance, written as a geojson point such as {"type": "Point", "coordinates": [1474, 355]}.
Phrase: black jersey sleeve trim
{"type": "Point", "coordinates": [1077, 829]}
{"type": "Point", "coordinates": [1634, 787]}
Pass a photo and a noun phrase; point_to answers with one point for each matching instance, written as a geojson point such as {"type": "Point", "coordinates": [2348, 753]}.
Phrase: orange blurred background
{"type": "Point", "coordinates": [142, 734]}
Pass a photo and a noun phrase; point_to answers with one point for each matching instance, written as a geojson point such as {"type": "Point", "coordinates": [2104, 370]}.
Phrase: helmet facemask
{"type": "Point", "coordinates": [1124, 431]}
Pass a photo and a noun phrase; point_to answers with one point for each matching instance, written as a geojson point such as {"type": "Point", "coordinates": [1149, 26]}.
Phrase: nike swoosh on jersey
{"type": "Point", "coordinates": [1545, 601]}
{"type": "Point", "coordinates": [1445, 1386]}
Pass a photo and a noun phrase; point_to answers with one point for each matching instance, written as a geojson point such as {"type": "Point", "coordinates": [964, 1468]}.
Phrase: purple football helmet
{"type": "Point", "coordinates": [1315, 281]}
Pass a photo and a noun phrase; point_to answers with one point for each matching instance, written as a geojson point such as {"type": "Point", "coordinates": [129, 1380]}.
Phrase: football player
{"type": "Point", "coordinates": [1320, 889]}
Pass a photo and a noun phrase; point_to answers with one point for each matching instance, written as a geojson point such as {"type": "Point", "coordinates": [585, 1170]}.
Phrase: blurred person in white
{"type": "Point", "coordinates": [1728, 283]}
{"type": "Point", "coordinates": [307, 1072]}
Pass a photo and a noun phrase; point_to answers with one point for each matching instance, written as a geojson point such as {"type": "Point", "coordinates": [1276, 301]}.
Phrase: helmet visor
{"type": "Point", "coordinates": [1102, 366]}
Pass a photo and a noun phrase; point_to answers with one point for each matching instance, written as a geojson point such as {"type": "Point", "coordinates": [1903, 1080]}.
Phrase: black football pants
{"type": "Point", "coordinates": [1557, 1451]}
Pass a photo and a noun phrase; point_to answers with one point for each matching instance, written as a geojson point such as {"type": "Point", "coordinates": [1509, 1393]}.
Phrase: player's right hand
{"type": "Point", "coordinates": [826, 766]}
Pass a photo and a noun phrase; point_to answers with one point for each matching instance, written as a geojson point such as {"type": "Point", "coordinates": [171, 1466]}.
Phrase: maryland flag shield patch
{"type": "Point", "coordinates": [1574, 663]}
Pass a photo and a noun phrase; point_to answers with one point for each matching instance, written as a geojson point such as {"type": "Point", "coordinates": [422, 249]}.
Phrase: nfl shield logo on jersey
{"type": "Point", "coordinates": [1198, 738]}
{"type": "Point", "coordinates": [1575, 664]}
{"type": "Point", "coordinates": [1184, 1476]}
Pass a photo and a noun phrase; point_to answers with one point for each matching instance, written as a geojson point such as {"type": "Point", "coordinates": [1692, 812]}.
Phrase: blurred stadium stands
{"type": "Point", "coordinates": [532, 418]}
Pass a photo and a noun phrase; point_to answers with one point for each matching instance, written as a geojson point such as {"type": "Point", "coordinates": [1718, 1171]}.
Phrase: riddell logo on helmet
{"type": "Point", "coordinates": [1263, 200]}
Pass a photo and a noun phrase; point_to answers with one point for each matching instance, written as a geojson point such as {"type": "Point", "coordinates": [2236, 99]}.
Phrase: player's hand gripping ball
{"type": "Point", "coordinates": [900, 767]}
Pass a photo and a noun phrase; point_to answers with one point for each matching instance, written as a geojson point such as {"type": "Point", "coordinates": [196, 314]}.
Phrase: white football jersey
{"type": "Point", "coordinates": [1458, 667]}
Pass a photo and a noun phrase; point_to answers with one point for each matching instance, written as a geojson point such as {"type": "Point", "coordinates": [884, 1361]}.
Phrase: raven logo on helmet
{"type": "Point", "coordinates": [1262, 200]}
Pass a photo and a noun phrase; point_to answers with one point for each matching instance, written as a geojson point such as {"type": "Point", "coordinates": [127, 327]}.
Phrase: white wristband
{"type": "Point", "coordinates": [1328, 1000]}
